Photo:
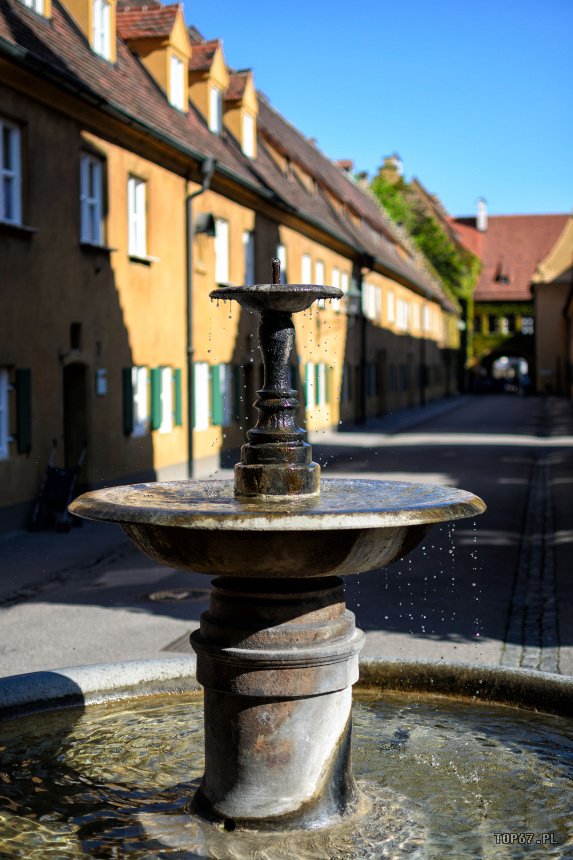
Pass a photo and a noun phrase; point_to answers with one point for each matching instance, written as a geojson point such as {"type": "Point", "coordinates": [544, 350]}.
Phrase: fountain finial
{"type": "Point", "coordinates": [276, 460]}
{"type": "Point", "coordinates": [276, 264]}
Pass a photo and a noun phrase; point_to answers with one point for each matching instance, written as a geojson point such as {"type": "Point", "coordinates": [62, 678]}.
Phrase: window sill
{"type": "Point", "coordinates": [143, 259]}
{"type": "Point", "coordinates": [22, 230]}
{"type": "Point", "coordinates": [92, 248]}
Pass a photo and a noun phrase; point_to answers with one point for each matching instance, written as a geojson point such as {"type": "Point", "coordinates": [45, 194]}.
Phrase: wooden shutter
{"type": "Point", "coordinates": [156, 411]}
{"type": "Point", "coordinates": [216, 399]}
{"type": "Point", "coordinates": [237, 392]}
{"type": "Point", "coordinates": [23, 381]}
{"type": "Point", "coordinates": [127, 396]}
{"type": "Point", "coordinates": [178, 400]}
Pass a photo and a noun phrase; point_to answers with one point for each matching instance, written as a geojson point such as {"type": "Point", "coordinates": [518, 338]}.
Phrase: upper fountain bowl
{"type": "Point", "coordinates": [280, 298]}
{"type": "Point", "coordinates": [352, 527]}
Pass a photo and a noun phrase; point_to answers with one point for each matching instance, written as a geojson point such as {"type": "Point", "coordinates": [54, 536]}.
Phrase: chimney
{"type": "Point", "coordinates": [392, 169]}
{"type": "Point", "coordinates": [481, 220]}
{"type": "Point", "coordinates": [345, 164]}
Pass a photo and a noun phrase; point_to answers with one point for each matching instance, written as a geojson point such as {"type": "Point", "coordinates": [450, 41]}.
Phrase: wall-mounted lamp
{"type": "Point", "coordinates": [204, 223]}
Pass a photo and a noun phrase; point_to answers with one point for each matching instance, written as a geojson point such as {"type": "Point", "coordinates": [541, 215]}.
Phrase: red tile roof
{"type": "Point", "coordinates": [202, 55]}
{"type": "Point", "coordinates": [146, 22]}
{"type": "Point", "coordinates": [510, 250]}
{"type": "Point", "coordinates": [237, 84]}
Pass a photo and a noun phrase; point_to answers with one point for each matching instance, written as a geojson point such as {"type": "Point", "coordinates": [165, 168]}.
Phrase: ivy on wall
{"type": "Point", "coordinates": [457, 267]}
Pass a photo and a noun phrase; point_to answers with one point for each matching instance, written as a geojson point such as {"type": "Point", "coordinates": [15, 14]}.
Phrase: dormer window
{"type": "Point", "coordinates": [177, 82]}
{"type": "Point", "coordinates": [36, 5]}
{"type": "Point", "coordinates": [248, 135]}
{"type": "Point", "coordinates": [102, 28]}
{"type": "Point", "coordinates": [215, 110]}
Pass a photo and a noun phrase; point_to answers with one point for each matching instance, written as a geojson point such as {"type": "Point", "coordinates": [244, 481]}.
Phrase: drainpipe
{"type": "Point", "coordinates": [365, 263]}
{"type": "Point", "coordinates": [207, 169]}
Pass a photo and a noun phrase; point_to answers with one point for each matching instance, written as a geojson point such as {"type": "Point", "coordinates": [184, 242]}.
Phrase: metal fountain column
{"type": "Point", "coordinates": [277, 657]}
{"type": "Point", "coordinates": [277, 459]}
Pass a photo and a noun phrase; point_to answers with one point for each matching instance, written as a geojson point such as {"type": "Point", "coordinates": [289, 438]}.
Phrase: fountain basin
{"type": "Point", "coordinates": [106, 793]}
{"type": "Point", "coordinates": [352, 527]}
{"type": "Point", "coordinates": [276, 298]}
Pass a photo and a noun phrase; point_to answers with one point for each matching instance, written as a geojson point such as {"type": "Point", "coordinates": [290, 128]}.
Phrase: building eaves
{"type": "Point", "coordinates": [56, 50]}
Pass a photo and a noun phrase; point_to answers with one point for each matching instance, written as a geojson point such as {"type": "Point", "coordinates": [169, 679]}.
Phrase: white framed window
{"type": "Point", "coordinates": [402, 315]}
{"type": "Point", "coordinates": [201, 395]}
{"type": "Point", "coordinates": [215, 110]}
{"type": "Point", "coordinates": [282, 258]}
{"type": "Point", "coordinates": [249, 251]}
{"type": "Point", "coordinates": [136, 216]}
{"type": "Point", "coordinates": [336, 284]}
{"type": "Point", "coordinates": [36, 5]}
{"type": "Point", "coordinates": [10, 173]}
{"type": "Point", "coordinates": [4, 415]}
{"type": "Point", "coordinates": [344, 282]}
{"type": "Point", "coordinates": [166, 395]}
{"type": "Point", "coordinates": [306, 269]}
{"type": "Point", "coordinates": [91, 200]}
{"type": "Point", "coordinates": [416, 316]}
{"type": "Point", "coordinates": [370, 300]}
{"type": "Point", "coordinates": [527, 325]}
{"type": "Point", "coordinates": [177, 82]}
{"type": "Point", "coordinates": [221, 251]}
{"type": "Point", "coordinates": [426, 318]}
{"type": "Point", "coordinates": [102, 28]}
{"type": "Point", "coordinates": [248, 135]}
{"type": "Point", "coordinates": [504, 325]}
{"type": "Point", "coordinates": [140, 387]}
{"type": "Point", "coordinates": [390, 308]}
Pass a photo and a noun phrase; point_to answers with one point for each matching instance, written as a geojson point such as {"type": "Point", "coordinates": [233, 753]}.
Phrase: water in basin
{"type": "Point", "coordinates": [444, 778]}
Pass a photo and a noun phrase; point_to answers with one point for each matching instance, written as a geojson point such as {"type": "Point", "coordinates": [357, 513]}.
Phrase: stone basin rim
{"type": "Point", "coordinates": [36, 692]}
{"type": "Point", "coordinates": [343, 504]}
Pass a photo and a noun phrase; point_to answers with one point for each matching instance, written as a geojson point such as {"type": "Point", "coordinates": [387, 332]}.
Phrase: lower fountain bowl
{"type": "Point", "coordinates": [455, 760]}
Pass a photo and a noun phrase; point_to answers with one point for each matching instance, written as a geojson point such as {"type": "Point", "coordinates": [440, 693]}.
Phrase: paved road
{"type": "Point", "coordinates": [495, 590]}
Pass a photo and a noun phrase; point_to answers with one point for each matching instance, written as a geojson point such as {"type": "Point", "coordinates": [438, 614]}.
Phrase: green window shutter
{"type": "Point", "coordinates": [317, 381]}
{"type": "Point", "coordinates": [127, 395]}
{"type": "Point", "coordinates": [327, 383]}
{"type": "Point", "coordinates": [237, 392]}
{"type": "Point", "coordinates": [216, 399]}
{"type": "Point", "coordinates": [177, 398]}
{"type": "Point", "coordinates": [24, 410]}
{"type": "Point", "coordinates": [155, 377]}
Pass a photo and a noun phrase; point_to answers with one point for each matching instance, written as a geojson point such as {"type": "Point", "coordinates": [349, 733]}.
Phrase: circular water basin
{"type": "Point", "coordinates": [454, 775]}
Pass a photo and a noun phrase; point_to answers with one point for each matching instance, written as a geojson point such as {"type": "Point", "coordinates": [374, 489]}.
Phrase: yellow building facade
{"type": "Point", "coordinates": [127, 208]}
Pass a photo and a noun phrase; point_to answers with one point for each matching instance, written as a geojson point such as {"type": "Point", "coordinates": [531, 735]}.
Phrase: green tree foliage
{"type": "Point", "coordinates": [457, 268]}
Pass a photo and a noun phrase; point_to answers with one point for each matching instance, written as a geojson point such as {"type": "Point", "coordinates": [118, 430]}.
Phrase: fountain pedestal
{"type": "Point", "coordinates": [277, 660]}
{"type": "Point", "coordinates": [277, 652]}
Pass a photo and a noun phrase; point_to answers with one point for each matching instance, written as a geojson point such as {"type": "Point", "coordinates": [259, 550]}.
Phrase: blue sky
{"type": "Point", "coordinates": [475, 97]}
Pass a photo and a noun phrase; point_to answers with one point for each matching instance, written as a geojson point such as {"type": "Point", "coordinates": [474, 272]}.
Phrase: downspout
{"type": "Point", "coordinates": [365, 263]}
{"type": "Point", "coordinates": [208, 169]}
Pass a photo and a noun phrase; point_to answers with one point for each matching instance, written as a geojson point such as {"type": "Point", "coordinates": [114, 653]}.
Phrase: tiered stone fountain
{"type": "Point", "coordinates": [277, 655]}
{"type": "Point", "coordinates": [277, 652]}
